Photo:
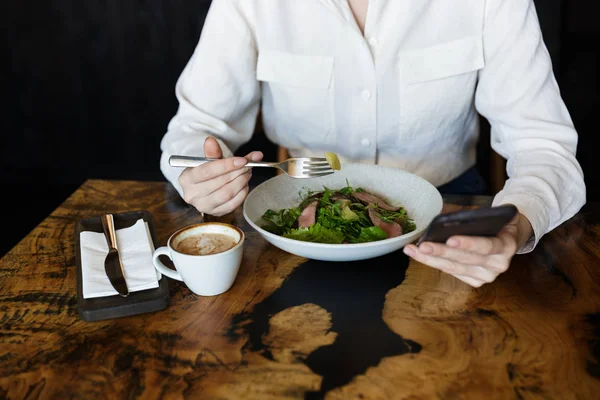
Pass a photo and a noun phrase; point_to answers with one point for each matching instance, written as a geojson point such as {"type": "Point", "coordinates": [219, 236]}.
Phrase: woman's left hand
{"type": "Point", "coordinates": [475, 260]}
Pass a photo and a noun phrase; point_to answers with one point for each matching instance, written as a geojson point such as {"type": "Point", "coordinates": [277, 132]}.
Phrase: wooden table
{"type": "Point", "coordinates": [294, 328]}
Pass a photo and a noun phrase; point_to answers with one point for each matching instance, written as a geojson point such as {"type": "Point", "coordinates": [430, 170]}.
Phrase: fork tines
{"type": "Point", "coordinates": [314, 166]}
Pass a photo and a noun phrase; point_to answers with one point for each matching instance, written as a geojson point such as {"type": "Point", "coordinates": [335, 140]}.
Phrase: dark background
{"type": "Point", "coordinates": [88, 90]}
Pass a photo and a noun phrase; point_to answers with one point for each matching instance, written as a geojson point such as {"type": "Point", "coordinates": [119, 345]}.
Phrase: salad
{"type": "Point", "coordinates": [346, 215]}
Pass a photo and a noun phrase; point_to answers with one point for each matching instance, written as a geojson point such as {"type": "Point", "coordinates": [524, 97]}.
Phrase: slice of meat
{"type": "Point", "coordinates": [368, 198]}
{"type": "Point", "coordinates": [316, 195]}
{"type": "Point", "coordinates": [308, 216]}
{"type": "Point", "coordinates": [336, 197]}
{"type": "Point", "coordinates": [311, 198]}
{"type": "Point", "coordinates": [391, 228]}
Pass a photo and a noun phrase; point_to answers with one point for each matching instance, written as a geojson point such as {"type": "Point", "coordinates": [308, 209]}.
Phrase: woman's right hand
{"type": "Point", "coordinates": [217, 187]}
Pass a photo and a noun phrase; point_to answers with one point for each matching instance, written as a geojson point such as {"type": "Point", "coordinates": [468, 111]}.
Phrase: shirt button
{"type": "Point", "coordinates": [365, 142]}
{"type": "Point", "coordinates": [373, 42]}
{"type": "Point", "coordinates": [366, 94]}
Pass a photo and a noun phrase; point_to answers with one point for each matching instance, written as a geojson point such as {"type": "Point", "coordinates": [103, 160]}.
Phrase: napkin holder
{"type": "Point", "coordinates": [102, 308]}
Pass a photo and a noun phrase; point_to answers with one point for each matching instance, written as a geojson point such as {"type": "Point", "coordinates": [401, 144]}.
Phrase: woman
{"type": "Point", "coordinates": [397, 83]}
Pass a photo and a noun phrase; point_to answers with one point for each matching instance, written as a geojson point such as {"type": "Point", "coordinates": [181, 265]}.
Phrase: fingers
{"type": "Point", "coordinates": [219, 186]}
{"type": "Point", "coordinates": [214, 169]}
{"type": "Point", "coordinates": [212, 148]}
{"type": "Point", "coordinates": [215, 203]}
{"type": "Point", "coordinates": [448, 266]}
{"type": "Point", "coordinates": [496, 262]}
{"type": "Point", "coordinates": [463, 256]}
{"type": "Point", "coordinates": [232, 204]}
{"type": "Point", "coordinates": [229, 191]}
{"type": "Point", "coordinates": [471, 268]}
{"type": "Point", "coordinates": [211, 170]}
{"type": "Point", "coordinates": [255, 156]}
{"type": "Point", "coordinates": [505, 243]}
{"type": "Point", "coordinates": [477, 244]}
{"type": "Point", "coordinates": [470, 281]}
{"type": "Point", "coordinates": [207, 188]}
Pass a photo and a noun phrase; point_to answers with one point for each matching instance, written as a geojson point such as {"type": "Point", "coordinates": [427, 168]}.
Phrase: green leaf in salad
{"type": "Point", "coordinates": [281, 221]}
{"type": "Point", "coordinates": [340, 218]}
{"type": "Point", "coordinates": [348, 214]}
{"type": "Point", "coordinates": [316, 233]}
{"type": "Point", "coordinates": [371, 234]}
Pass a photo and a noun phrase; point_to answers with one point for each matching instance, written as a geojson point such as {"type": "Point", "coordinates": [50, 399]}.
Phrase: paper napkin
{"type": "Point", "coordinates": [135, 248]}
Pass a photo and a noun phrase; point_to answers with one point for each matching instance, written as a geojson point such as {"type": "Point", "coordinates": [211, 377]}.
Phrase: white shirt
{"type": "Point", "coordinates": [407, 93]}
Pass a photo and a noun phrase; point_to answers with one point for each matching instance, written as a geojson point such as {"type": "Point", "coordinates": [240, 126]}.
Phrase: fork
{"type": "Point", "coordinates": [296, 167]}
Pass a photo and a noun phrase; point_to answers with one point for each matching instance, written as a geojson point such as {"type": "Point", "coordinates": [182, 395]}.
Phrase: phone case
{"type": "Point", "coordinates": [484, 221]}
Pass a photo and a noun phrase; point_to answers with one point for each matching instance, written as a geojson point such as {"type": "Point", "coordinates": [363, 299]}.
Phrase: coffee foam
{"type": "Point", "coordinates": [206, 228]}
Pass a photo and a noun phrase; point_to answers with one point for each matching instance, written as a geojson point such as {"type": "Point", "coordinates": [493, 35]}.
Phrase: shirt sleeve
{"type": "Point", "coordinates": [218, 92]}
{"type": "Point", "coordinates": [530, 125]}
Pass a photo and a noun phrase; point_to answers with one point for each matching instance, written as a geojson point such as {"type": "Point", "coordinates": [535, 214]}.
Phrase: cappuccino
{"type": "Point", "coordinates": [206, 243]}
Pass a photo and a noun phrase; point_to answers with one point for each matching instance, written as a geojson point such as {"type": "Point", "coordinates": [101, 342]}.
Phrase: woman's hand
{"type": "Point", "coordinates": [475, 260]}
{"type": "Point", "coordinates": [218, 187]}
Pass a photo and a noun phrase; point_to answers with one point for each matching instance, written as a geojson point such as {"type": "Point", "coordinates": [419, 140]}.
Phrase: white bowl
{"type": "Point", "coordinates": [420, 198]}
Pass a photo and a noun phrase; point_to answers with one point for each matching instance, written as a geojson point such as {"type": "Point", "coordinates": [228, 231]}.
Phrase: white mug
{"type": "Point", "coordinates": [205, 275]}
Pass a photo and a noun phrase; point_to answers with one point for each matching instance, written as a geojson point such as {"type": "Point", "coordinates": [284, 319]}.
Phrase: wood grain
{"type": "Point", "coordinates": [532, 334]}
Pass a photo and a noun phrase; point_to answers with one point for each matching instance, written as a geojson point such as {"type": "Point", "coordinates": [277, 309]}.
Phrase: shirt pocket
{"type": "Point", "coordinates": [298, 100]}
{"type": "Point", "coordinates": [439, 82]}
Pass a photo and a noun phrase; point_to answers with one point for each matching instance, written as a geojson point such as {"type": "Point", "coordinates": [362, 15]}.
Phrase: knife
{"type": "Point", "coordinates": [112, 262]}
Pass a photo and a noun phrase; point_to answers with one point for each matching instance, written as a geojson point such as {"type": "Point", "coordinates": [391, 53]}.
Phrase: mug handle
{"type": "Point", "coordinates": [162, 268]}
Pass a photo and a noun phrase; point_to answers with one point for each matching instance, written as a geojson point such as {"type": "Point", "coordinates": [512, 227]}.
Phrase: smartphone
{"type": "Point", "coordinates": [484, 221]}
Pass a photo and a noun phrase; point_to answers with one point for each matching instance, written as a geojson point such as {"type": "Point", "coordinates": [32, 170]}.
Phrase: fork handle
{"type": "Point", "coordinates": [190, 161]}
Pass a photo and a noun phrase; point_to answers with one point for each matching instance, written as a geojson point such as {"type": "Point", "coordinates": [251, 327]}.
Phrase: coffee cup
{"type": "Point", "coordinates": [206, 256]}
